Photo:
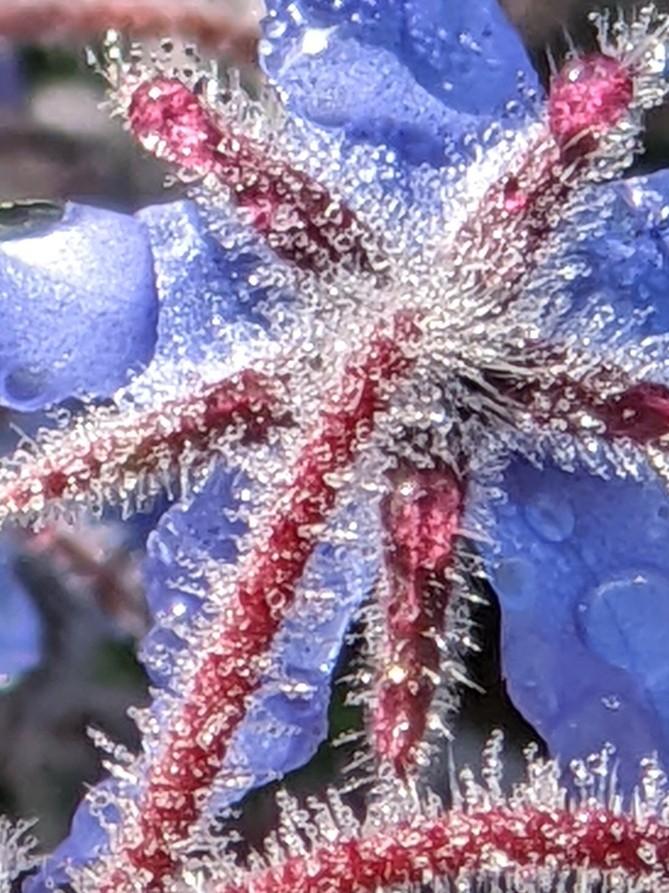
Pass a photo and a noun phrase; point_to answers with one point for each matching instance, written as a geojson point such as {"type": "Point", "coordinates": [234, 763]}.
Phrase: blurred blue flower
{"type": "Point", "coordinates": [20, 633]}
{"type": "Point", "coordinates": [11, 79]}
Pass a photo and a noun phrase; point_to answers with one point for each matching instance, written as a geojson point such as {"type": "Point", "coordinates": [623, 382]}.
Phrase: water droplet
{"type": "Point", "coordinates": [611, 702]}
{"type": "Point", "coordinates": [550, 515]}
{"type": "Point", "coordinates": [647, 853]}
{"type": "Point", "coordinates": [315, 40]}
{"type": "Point", "coordinates": [25, 383]}
{"type": "Point", "coordinates": [515, 581]}
{"type": "Point", "coordinates": [624, 620]}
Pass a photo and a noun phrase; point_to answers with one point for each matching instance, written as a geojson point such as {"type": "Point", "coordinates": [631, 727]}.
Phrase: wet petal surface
{"type": "Point", "coordinates": [79, 308]}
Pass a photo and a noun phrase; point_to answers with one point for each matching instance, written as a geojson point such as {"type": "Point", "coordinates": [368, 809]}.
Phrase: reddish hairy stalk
{"type": "Point", "coordinates": [216, 698]}
{"type": "Point", "coordinates": [588, 98]}
{"type": "Point", "coordinates": [487, 844]}
{"type": "Point", "coordinates": [106, 452]}
{"type": "Point", "coordinates": [207, 23]}
{"type": "Point", "coordinates": [421, 519]}
{"type": "Point", "coordinates": [641, 412]}
{"type": "Point", "coordinates": [298, 216]}
{"type": "Point", "coordinates": [618, 407]}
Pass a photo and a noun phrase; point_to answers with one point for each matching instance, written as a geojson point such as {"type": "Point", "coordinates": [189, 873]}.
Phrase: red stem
{"type": "Point", "coordinates": [301, 220]}
{"type": "Point", "coordinates": [524, 205]}
{"type": "Point", "coordinates": [421, 519]}
{"type": "Point", "coordinates": [493, 843]}
{"type": "Point", "coordinates": [216, 699]}
{"type": "Point", "coordinates": [104, 452]}
{"type": "Point", "coordinates": [517, 215]}
{"type": "Point", "coordinates": [638, 411]}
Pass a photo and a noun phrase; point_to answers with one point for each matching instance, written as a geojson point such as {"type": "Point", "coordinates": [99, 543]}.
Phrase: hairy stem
{"type": "Point", "coordinates": [216, 698]}
{"type": "Point", "coordinates": [496, 843]}
{"type": "Point", "coordinates": [421, 519]}
{"type": "Point", "coordinates": [298, 216]}
{"type": "Point", "coordinates": [107, 454]}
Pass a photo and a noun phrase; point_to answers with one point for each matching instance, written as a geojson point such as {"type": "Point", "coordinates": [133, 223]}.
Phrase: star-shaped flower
{"type": "Point", "coordinates": [408, 337]}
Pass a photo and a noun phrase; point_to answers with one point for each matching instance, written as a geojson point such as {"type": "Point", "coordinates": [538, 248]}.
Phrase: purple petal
{"type": "Point", "coordinates": [405, 73]}
{"type": "Point", "coordinates": [79, 308]}
{"type": "Point", "coordinates": [582, 575]}
{"type": "Point", "coordinates": [203, 287]}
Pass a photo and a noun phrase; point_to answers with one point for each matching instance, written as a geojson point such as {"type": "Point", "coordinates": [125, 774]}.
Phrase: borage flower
{"type": "Point", "coordinates": [391, 333]}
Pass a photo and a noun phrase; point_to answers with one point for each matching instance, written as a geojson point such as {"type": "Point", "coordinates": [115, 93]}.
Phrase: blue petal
{"type": "Point", "coordinates": [288, 719]}
{"type": "Point", "coordinates": [582, 574]}
{"type": "Point", "coordinates": [20, 632]}
{"type": "Point", "coordinates": [79, 308]}
{"type": "Point", "coordinates": [186, 536]}
{"type": "Point", "coordinates": [625, 269]}
{"type": "Point", "coordinates": [406, 73]}
{"type": "Point", "coordinates": [11, 80]}
{"type": "Point", "coordinates": [203, 287]}
{"type": "Point", "coordinates": [84, 843]}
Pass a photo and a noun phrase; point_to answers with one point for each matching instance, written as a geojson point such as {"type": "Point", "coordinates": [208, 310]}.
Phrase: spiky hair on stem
{"type": "Point", "coordinates": [17, 852]}
{"type": "Point", "coordinates": [124, 456]}
{"type": "Point", "coordinates": [541, 837]}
